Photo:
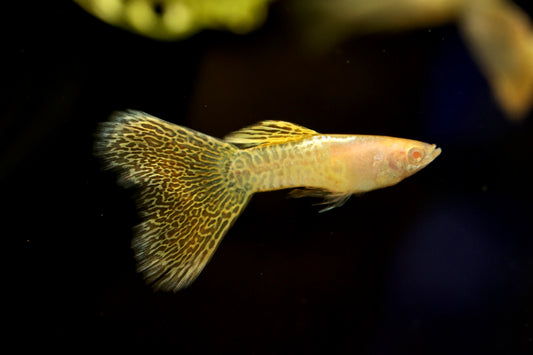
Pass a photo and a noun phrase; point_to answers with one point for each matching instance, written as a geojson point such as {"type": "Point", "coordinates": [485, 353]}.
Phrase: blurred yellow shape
{"type": "Point", "coordinates": [177, 19]}
{"type": "Point", "coordinates": [499, 34]}
{"type": "Point", "coordinates": [501, 39]}
{"type": "Point", "coordinates": [140, 16]}
{"type": "Point", "coordinates": [107, 10]}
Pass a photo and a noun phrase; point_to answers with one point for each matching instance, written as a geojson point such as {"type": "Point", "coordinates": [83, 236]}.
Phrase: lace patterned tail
{"type": "Point", "coordinates": [187, 199]}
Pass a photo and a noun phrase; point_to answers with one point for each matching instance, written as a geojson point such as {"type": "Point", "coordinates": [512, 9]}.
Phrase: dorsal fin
{"type": "Point", "coordinates": [268, 132]}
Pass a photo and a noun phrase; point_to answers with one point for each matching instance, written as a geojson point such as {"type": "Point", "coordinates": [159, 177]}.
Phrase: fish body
{"type": "Point", "coordinates": [336, 164]}
{"type": "Point", "coordinates": [194, 186]}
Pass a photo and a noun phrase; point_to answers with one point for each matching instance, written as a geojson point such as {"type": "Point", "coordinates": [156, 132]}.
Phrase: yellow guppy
{"type": "Point", "coordinates": [194, 186]}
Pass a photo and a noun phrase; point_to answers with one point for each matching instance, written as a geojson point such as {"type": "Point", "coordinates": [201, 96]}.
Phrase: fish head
{"type": "Point", "coordinates": [401, 158]}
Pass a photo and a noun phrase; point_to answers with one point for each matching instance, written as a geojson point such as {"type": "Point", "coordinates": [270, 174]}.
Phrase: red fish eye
{"type": "Point", "coordinates": [415, 155]}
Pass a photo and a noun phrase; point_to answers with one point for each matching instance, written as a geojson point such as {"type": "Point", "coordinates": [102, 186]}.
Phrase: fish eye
{"type": "Point", "coordinates": [415, 155]}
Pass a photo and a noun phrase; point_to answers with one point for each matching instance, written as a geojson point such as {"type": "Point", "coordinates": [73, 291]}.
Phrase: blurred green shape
{"type": "Point", "coordinates": [177, 19]}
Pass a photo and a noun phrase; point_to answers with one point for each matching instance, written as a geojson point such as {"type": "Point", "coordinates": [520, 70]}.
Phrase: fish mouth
{"type": "Point", "coordinates": [434, 153]}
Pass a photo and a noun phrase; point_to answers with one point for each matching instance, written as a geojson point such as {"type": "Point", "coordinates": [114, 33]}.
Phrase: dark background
{"type": "Point", "coordinates": [440, 264]}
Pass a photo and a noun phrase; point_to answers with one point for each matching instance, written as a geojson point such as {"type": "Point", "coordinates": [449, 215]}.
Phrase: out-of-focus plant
{"type": "Point", "coordinates": [177, 19]}
{"type": "Point", "coordinates": [498, 33]}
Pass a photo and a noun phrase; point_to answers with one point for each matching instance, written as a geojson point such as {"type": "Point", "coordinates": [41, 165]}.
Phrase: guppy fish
{"type": "Point", "coordinates": [194, 186]}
